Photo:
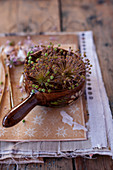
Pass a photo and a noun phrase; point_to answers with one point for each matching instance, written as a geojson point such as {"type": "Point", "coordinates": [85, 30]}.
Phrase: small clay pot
{"type": "Point", "coordinates": [53, 99]}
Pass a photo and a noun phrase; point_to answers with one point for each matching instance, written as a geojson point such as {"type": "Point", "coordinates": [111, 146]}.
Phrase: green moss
{"type": "Point", "coordinates": [28, 53]}
{"type": "Point", "coordinates": [55, 103]}
{"type": "Point", "coordinates": [30, 57]}
{"type": "Point", "coordinates": [36, 86]}
{"type": "Point", "coordinates": [33, 85]}
{"type": "Point", "coordinates": [46, 54]}
{"type": "Point", "coordinates": [59, 45]}
{"type": "Point", "coordinates": [55, 49]}
{"type": "Point", "coordinates": [33, 91]}
{"type": "Point", "coordinates": [1, 82]}
{"type": "Point", "coordinates": [49, 90]}
{"type": "Point", "coordinates": [31, 52]}
{"type": "Point", "coordinates": [43, 90]}
{"type": "Point", "coordinates": [23, 121]}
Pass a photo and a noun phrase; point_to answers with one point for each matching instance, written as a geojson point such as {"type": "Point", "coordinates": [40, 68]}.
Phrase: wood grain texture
{"type": "Point", "coordinates": [8, 16]}
{"type": "Point", "coordinates": [97, 163]}
{"type": "Point", "coordinates": [7, 167]}
{"type": "Point", "coordinates": [98, 17]}
{"type": "Point", "coordinates": [2, 78]}
{"type": "Point", "coordinates": [29, 16]}
{"type": "Point", "coordinates": [50, 164]}
{"type": "Point", "coordinates": [42, 15]}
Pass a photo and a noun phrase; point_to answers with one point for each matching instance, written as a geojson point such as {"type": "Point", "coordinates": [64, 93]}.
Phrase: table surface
{"type": "Point", "coordinates": [38, 16]}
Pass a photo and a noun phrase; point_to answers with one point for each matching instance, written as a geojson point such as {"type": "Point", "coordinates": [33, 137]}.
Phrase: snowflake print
{"type": "Point", "coordinates": [30, 132]}
{"type": "Point", "coordinates": [43, 110]}
{"type": "Point", "coordinates": [81, 132]}
{"type": "Point", "coordinates": [46, 132]}
{"type": "Point", "coordinates": [78, 119]}
{"type": "Point", "coordinates": [61, 132]}
{"type": "Point", "coordinates": [73, 109]}
{"type": "Point", "coordinates": [38, 120]}
{"type": "Point", "coordinates": [78, 133]}
{"type": "Point", "coordinates": [2, 131]}
{"type": "Point", "coordinates": [75, 133]}
{"type": "Point", "coordinates": [53, 119]}
{"type": "Point", "coordinates": [16, 131]}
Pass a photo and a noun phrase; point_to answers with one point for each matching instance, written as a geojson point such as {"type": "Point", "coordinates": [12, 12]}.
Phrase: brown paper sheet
{"type": "Point", "coordinates": [42, 123]}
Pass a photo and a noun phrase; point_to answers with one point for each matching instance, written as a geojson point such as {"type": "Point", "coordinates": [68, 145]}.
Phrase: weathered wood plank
{"type": "Point", "coordinates": [7, 167]}
{"type": "Point", "coordinates": [98, 163]}
{"type": "Point", "coordinates": [50, 164]}
{"type": "Point", "coordinates": [42, 15]}
{"type": "Point", "coordinates": [29, 16]}
{"type": "Point", "coordinates": [8, 16]}
{"type": "Point", "coordinates": [96, 16]}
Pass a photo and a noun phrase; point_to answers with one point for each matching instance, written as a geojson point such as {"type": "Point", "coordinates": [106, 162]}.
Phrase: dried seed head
{"type": "Point", "coordinates": [55, 69]}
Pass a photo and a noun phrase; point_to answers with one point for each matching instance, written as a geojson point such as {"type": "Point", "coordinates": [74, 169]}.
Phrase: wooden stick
{"type": "Point", "coordinates": [2, 76]}
{"type": "Point", "coordinates": [10, 88]}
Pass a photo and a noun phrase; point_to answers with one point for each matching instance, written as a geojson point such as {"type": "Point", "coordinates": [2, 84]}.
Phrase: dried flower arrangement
{"type": "Point", "coordinates": [53, 69]}
{"type": "Point", "coordinates": [53, 77]}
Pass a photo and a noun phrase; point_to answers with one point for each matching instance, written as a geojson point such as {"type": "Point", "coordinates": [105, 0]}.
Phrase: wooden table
{"type": "Point", "coordinates": [38, 16]}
